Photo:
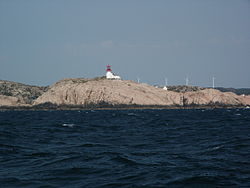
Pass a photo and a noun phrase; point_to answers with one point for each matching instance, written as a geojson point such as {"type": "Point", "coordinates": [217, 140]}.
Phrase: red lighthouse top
{"type": "Point", "coordinates": [108, 68]}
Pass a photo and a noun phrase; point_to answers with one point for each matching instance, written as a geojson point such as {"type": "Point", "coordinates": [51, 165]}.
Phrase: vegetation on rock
{"type": "Point", "coordinates": [23, 92]}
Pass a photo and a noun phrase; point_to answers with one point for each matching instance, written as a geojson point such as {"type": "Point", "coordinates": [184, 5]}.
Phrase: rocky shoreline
{"type": "Point", "coordinates": [101, 93]}
{"type": "Point", "coordinates": [68, 108]}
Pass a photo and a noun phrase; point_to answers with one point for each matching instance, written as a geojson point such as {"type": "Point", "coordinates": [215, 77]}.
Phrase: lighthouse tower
{"type": "Point", "coordinates": [110, 74]}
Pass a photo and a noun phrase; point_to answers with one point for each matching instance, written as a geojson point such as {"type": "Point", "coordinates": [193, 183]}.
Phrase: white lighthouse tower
{"type": "Point", "coordinates": [110, 74]}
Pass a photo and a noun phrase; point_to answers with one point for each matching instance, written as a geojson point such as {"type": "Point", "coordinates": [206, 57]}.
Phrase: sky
{"type": "Point", "coordinates": [43, 41]}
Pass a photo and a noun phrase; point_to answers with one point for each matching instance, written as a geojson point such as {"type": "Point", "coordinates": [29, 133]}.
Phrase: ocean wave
{"type": "Point", "coordinates": [153, 148]}
{"type": "Point", "coordinates": [68, 124]}
{"type": "Point", "coordinates": [125, 160]}
{"type": "Point", "coordinates": [202, 181]}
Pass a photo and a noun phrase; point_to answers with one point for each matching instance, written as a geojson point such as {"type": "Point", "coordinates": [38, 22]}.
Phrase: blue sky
{"type": "Point", "coordinates": [45, 41]}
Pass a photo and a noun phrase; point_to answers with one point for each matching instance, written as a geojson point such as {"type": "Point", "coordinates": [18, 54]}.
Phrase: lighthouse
{"type": "Point", "coordinates": [110, 74]}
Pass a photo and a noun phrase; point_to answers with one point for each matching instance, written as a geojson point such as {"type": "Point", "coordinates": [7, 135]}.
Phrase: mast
{"type": "Point", "coordinates": [187, 80]}
{"type": "Point", "coordinates": [166, 82]}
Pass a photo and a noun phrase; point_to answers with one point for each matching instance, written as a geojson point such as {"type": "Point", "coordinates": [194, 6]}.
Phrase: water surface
{"type": "Point", "coordinates": [129, 148]}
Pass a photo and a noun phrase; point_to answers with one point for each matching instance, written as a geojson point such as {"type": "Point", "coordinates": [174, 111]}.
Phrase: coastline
{"type": "Point", "coordinates": [108, 94]}
{"type": "Point", "coordinates": [118, 107]}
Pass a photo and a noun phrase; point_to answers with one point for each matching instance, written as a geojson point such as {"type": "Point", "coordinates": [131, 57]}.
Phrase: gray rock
{"type": "Point", "coordinates": [24, 94]}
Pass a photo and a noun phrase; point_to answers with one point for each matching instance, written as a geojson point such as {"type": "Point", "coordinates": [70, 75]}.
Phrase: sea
{"type": "Point", "coordinates": [125, 148]}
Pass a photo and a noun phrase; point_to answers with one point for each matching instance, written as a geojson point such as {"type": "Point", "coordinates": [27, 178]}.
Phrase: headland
{"type": "Point", "coordinates": [103, 93]}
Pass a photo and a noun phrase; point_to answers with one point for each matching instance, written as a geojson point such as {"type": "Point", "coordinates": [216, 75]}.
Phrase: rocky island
{"type": "Point", "coordinates": [81, 93]}
{"type": "Point", "coordinates": [17, 94]}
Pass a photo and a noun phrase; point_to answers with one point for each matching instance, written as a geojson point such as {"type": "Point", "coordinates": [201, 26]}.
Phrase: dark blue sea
{"type": "Point", "coordinates": [125, 148]}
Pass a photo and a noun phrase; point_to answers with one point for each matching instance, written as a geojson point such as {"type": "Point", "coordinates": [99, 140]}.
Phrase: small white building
{"type": "Point", "coordinates": [111, 75]}
{"type": "Point", "coordinates": [166, 83]}
{"type": "Point", "coordinates": [165, 88]}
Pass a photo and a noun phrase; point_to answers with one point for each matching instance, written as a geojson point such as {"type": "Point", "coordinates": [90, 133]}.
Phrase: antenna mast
{"type": "Point", "coordinates": [187, 80]}
{"type": "Point", "coordinates": [166, 82]}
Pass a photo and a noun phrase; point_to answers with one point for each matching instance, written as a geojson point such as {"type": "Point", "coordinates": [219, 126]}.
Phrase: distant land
{"type": "Point", "coordinates": [98, 93]}
{"type": "Point", "coordinates": [240, 91]}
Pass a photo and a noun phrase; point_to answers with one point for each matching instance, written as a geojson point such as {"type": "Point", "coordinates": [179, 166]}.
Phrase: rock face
{"type": "Point", "coordinates": [16, 94]}
{"type": "Point", "coordinates": [214, 97]}
{"type": "Point", "coordinates": [10, 101]}
{"type": "Point", "coordinates": [115, 92]}
{"type": "Point", "coordinates": [84, 92]}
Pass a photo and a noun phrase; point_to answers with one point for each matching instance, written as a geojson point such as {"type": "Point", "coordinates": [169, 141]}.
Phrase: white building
{"type": "Point", "coordinates": [111, 75]}
{"type": "Point", "coordinates": [165, 88]}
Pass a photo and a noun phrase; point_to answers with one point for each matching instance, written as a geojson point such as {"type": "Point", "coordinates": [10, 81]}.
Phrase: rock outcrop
{"type": "Point", "coordinates": [214, 97]}
{"type": "Point", "coordinates": [84, 92]}
{"type": "Point", "coordinates": [10, 101]}
{"type": "Point", "coordinates": [17, 94]}
{"type": "Point", "coordinates": [114, 92]}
